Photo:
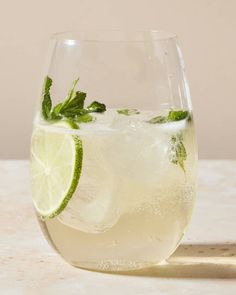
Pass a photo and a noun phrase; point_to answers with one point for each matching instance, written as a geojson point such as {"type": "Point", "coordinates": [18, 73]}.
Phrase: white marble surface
{"type": "Point", "coordinates": [205, 262]}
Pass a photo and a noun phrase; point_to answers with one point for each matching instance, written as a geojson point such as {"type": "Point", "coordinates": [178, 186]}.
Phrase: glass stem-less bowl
{"type": "Point", "coordinates": [114, 156]}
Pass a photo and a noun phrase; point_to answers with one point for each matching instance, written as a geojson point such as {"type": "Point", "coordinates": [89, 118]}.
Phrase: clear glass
{"type": "Point", "coordinates": [135, 195]}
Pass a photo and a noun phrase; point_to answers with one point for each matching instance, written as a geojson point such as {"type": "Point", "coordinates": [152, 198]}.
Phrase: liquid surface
{"type": "Point", "coordinates": [132, 204]}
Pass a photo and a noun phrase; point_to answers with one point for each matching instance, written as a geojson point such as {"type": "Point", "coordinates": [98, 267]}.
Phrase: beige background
{"type": "Point", "coordinates": [206, 29]}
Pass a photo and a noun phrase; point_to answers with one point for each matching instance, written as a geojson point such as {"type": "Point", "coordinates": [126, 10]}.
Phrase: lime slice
{"type": "Point", "coordinates": [56, 161]}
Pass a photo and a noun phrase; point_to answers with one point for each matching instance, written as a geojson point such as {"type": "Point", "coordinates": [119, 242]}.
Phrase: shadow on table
{"type": "Point", "coordinates": [196, 261]}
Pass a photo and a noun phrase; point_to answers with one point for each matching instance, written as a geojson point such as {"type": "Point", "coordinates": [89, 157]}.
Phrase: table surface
{"type": "Point", "coordinates": [204, 263]}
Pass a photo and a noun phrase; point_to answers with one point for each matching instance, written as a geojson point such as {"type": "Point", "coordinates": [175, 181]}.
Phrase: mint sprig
{"type": "Point", "coordinates": [72, 108]}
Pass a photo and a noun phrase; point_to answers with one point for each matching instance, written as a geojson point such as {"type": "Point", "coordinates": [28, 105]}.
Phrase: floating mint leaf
{"type": "Point", "coordinates": [177, 115]}
{"type": "Point", "coordinates": [128, 112]}
{"type": "Point", "coordinates": [46, 98]}
{"type": "Point", "coordinates": [171, 117]}
{"type": "Point", "coordinates": [178, 152]}
{"type": "Point", "coordinates": [158, 120]}
{"type": "Point", "coordinates": [96, 107]}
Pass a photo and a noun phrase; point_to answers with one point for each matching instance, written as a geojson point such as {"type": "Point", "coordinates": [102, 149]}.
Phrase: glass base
{"type": "Point", "coordinates": [116, 265]}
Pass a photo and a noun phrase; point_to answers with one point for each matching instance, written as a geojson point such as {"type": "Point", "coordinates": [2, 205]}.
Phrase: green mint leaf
{"type": "Point", "coordinates": [96, 107]}
{"type": "Point", "coordinates": [177, 115]}
{"type": "Point", "coordinates": [178, 152]}
{"type": "Point", "coordinates": [171, 117]}
{"type": "Point", "coordinates": [71, 94]}
{"type": "Point", "coordinates": [46, 98]}
{"type": "Point", "coordinates": [158, 120]}
{"type": "Point", "coordinates": [84, 118]}
{"type": "Point", "coordinates": [55, 114]}
{"type": "Point", "coordinates": [128, 112]}
{"type": "Point", "coordinates": [74, 112]}
{"type": "Point", "coordinates": [72, 108]}
{"type": "Point", "coordinates": [77, 101]}
{"type": "Point", "coordinates": [57, 108]}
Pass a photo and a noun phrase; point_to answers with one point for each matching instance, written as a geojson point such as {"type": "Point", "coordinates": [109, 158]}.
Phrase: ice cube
{"type": "Point", "coordinates": [94, 208]}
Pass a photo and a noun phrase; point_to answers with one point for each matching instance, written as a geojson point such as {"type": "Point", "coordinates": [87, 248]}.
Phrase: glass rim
{"type": "Point", "coordinates": [114, 35]}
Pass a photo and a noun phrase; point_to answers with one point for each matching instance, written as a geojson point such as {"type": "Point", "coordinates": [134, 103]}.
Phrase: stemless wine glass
{"type": "Point", "coordinates": [113, 153]}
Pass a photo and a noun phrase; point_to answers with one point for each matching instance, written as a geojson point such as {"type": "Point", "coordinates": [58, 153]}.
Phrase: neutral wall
{"type": "Point", "coordinates": [206, 29]}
